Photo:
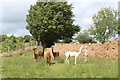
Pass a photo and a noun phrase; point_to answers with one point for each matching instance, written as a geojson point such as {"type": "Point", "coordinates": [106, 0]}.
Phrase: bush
{"type": "Point", "coordinates": [85, 38]}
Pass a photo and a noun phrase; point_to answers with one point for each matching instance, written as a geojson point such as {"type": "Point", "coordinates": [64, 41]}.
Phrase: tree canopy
{"type": "Point", "coordinates": [105, 24]}
{"type": "Point", "coordinates": [119, 19]}
{"type": "Point", "coordinates": [28, 38]}
{"type": "Point", "coordinates": [85, 38]}
{"type": "Point", "coordinates": [50, 21]}
{"type": "Point", "coordinates": [12, 43]}
{"type": "Point", "coordinates": [2, 37]}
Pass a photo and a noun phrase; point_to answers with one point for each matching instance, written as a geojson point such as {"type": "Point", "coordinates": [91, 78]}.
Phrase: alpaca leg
{"type": "Point", "coordinates": [35, 60]}
{"type": "Point", "coordinates": [86, 57]}
{"type": "Point", "coordinates": [66, 60]}
{"type": "Point", "coordinates": [53, 57]}
{"type": "Point", "coordinates": [85, 60]}
{"type": "Point", "coordinates": [75, 59]}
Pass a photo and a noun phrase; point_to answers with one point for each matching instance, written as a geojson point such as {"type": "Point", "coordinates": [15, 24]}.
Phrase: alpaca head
{"type": "Point", "coordinates": [86, 47]}
{"type": "Point", "coordinates": [52, 47]}
{"type": "Point", "coordinates": [81, 47]}
{"type": "Point", "coordinates": [34, 48]}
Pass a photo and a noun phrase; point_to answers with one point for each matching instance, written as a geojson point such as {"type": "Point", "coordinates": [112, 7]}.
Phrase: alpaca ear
{"type": "Point", "coordinates": [34, 48]}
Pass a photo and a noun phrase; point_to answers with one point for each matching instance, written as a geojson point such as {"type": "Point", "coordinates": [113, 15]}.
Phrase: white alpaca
{"type": "Point", "coordinates": [69, 54]}
{"type": "Point", "coordinates": [86, 53]}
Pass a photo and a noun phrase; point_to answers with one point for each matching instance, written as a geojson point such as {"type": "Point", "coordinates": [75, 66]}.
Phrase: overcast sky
{"type": "Point", "coordinates": [13, 14]}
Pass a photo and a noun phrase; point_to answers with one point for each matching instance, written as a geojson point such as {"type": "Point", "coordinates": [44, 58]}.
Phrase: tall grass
{"type": "Point", "coordinates": [24, 67]}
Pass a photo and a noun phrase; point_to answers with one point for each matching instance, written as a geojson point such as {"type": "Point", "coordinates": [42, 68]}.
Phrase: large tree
{"type": "Point", "coordinates": [119, 19]}
{"type": "Point", "coordinates": [105, 24]}
{"type": "Point", "coordinates": [119, 27]}
{"type": "Point", "coordinates": [50, 21]}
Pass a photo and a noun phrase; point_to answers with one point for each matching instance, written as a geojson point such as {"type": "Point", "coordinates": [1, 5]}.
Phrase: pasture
{"type": "Point", "coordinates": [23, 67]}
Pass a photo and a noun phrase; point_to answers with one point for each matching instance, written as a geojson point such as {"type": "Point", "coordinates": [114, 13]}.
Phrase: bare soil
{"type": "Point", "coordinates": [108, 50]}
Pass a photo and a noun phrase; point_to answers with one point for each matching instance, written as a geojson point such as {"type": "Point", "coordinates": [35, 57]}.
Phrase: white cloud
{"type": "Point", "coordinates": [22, 32]}
{"type": "Point", "coordinates": [88, 20]}
{"type": "Point", "coordinates": [9, 35]}
{"type": "Point", "coordinates": [14, 16]}
{"type": "Point", "coordinates": [18, 1]}
{"type": "Point", "coordinates": [84, 10]}
{"type": "Point", "coordinates": [18, 33]}
{"type": "Point", "coordinates": [88, 1]}
{"type": "Point", "coordinates": [15, 29]}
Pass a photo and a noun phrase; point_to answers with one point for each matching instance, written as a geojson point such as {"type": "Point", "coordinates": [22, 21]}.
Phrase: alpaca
{"type": "Point", "coordinates": [35, 55]}
{"type": "Point", "coordinates": [39, 54]}
{"type": "Point", "coordinates": [75, 54]}
{"type": "Point", "coordinates": [48, 58]}
{"type": "Point", "coordinates": [86, 53]}
{"type": "Point", "coordinates": [55, 54]}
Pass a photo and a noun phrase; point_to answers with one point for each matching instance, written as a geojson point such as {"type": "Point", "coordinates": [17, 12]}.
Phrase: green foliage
{"type": "Point", "coordinates": [12, 43]}
{"type": "Point", "coordinates": [67, 40]}
{"type": "Point", "coordinates": [20, 43]}
{"type": "Point", "coordinates": [119, 18]}
{"type": "Point", "coordinates": [2, 37]}
{"type": "Point", "coordinates": [24, 67]}
{"type": "Point", "coordinates": [28, 38]}
{"type": "Point", "coordinates": [85, 38]}
{"type": "Point", "coordinates": [105, 24]}
{"type": "Point", "coordinates": [9, 44]}
{"type": "Point", "coordinates": [119, 25]}
{"type": "Point", "coordinates": [50, 21]}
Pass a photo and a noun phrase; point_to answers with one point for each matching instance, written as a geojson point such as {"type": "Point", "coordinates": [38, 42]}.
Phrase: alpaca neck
{"type": "Point", "coordinates": [34, 51]}
{"type": "Point", "coordinates": [43, 50]}
{"type": "Point", "coordinates": [52, 50]}
{"type": "Point", "coordinates": [86, 50]}
{"type": "Point", "coordinates": [80, 50]}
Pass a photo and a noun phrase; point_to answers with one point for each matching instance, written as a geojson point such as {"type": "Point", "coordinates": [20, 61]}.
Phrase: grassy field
{"type": "Point", "coordinates": [24, 67]}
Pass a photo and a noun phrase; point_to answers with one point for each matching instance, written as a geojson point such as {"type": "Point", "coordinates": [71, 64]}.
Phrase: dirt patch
{"type": "Point", "coordinates": [108, 50]}
{"type": "Point", "coordinates": [5, 57]}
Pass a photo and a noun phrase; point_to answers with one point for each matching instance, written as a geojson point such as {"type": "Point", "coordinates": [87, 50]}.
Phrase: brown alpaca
{"type": "Point", "coordinates": [48, 58]}
{"type": "Point", "coordinates": [39, 54]}
{"type": "Point", "coordinates": [55, 54]}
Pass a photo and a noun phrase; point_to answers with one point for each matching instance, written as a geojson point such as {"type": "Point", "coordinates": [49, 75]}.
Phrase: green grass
{"type": "Point", "coordinates": [24, 67]}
